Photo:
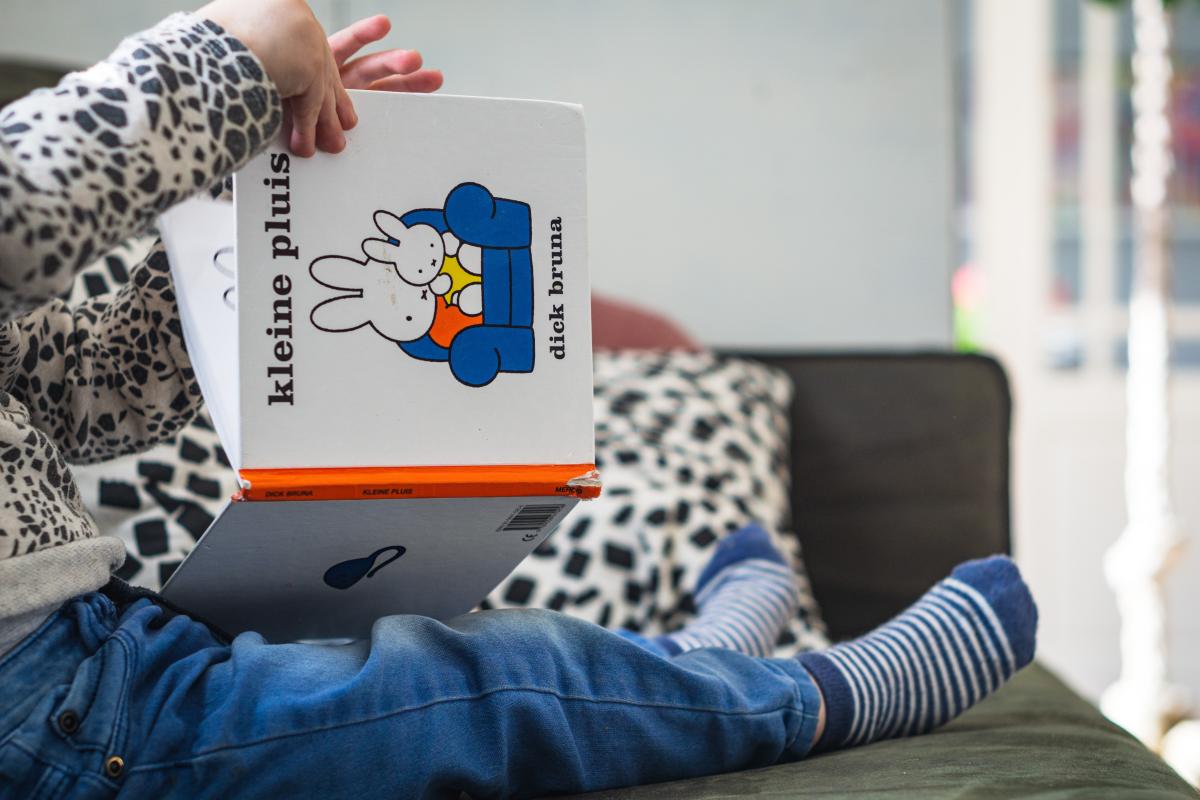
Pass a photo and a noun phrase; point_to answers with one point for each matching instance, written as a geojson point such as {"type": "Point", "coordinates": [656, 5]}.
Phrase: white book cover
{"type": "Point", "coordinates": [394, 343]}
{"type": "Point", "coordinates": [420, 298]}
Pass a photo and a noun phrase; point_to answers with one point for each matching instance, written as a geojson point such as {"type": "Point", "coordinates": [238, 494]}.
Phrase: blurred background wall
{"type": "Point", "coordinates": [1046, 234]}
{"type": "Point", "coordinates": [773, 173]}
{"type": "Point", "coordinates": [810, 173]}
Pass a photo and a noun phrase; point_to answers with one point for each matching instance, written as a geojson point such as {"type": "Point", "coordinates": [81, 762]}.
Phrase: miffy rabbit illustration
{"type": "Point", "coordinates": [422, 255]}
{"type": "Point", "coordinates": [376, 296]}
{"type": "Point", "coordinates": [416, 252]}
{"type": "Point", "coordinates": [452, 284]}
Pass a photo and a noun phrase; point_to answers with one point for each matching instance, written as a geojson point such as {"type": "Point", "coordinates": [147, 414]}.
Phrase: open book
{"type": "Point", "coordinates": [394, 344]}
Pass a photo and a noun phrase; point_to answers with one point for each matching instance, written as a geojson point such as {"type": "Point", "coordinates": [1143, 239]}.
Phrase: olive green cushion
{"type": "Point", "coordinates": [1034, 738]}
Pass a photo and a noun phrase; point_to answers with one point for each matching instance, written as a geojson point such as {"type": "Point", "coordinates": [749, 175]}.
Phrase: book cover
{"type": "Point", "coordinates": [431, 279]}
{"type": "Point", "coordinates": [395, 345]}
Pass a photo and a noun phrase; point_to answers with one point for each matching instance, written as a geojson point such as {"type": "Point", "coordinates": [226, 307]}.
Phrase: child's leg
{"type": "Point", "coordinates": [496, 703]}
{"type": "Point", "coordinates": [746, 595]}
{"type": "Point", "coordinates": [949, 650]}
{"type": "Point", "coordinates": [507, 702]}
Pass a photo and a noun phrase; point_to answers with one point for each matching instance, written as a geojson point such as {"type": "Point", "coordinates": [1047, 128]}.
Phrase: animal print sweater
{"type": "Point", "coordinates": [83, 166]}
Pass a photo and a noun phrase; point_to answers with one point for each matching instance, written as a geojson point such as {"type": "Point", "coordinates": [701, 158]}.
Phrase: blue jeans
{"type": "Point", "coordinates": [118, 694]}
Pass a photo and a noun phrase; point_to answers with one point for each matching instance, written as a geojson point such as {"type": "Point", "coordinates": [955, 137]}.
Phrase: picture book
{"type": "Point", "coordinates": [394, 344]}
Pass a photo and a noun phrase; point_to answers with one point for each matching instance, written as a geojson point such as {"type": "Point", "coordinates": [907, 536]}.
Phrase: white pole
{"type": "Point", "coordinates": [1012, 219]}
{"type": "Point", "coordinates": [1142, 699]}
{"type": "Point", "coordinates": [1098, 220]}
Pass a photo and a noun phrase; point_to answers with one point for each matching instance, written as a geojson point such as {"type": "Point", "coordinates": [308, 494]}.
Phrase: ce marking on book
{"type": "Point", "coordinates": [530, 520]}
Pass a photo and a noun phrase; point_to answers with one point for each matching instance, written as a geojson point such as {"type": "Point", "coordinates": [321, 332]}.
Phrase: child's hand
{"type": "Point", "coordinates": [312, 74]}
{"type": "Point", "coordinates": [292, 47]}
{"type": "Point", "coordinates": [388, 71]}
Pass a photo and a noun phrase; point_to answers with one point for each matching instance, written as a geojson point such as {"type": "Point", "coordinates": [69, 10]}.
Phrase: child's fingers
{"type": "Point", "coordinates": [362, 72]}
{"type": "Point", "coordinates": [346, 114]}
{"type": "Point", "coordinates": [329, 134]}
{"type": "Point", "coordinates": [425, 80]}
{"type": "Point", "coordinates": [287, 126]}
{"type": "Point", "coordinates": [357, 35]}
{"type": "Point", "coordinates": [306, 109]}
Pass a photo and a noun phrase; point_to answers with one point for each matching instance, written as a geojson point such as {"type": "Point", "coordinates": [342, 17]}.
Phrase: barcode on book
{"type": "Point", "coordinates": [530, 518]}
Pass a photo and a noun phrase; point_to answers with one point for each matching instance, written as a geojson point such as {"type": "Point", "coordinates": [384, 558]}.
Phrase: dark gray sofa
{"type": "Point", "coordinates": [900, 470]}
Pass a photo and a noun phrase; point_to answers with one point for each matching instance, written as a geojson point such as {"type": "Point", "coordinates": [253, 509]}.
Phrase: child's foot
{"type": "Point", "coordinates": [745, 595]}
{"type": "Point", "coordinates": [949, 650]}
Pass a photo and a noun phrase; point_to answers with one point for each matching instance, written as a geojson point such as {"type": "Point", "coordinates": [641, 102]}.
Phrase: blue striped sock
{"type": "Point", "coordinates": [949, 650]}
{"type": "Point", "coordinates": [745, 596]}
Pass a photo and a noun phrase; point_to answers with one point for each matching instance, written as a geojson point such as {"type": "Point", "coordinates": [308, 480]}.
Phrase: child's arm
{"type": "Point", "coordinates": [84, 165]}
{"type": "Point", "coordinates": [109, 376]}
{"type": "Point", "coordinates": [173, 110]}
{"type": "Point", "coordinates": [88, 163]}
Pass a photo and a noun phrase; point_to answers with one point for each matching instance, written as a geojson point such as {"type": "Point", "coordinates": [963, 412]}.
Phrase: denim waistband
{"type": "Point", "coordinates": [51, 654]}
{"type": "Point", "coordinates": [123, 594]}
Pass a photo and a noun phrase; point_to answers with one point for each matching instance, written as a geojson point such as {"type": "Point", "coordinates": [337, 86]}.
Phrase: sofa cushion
{"type": "Point", "coordinates": [621, 325]}
{"type": "Point", "coordinates": [690, 446]}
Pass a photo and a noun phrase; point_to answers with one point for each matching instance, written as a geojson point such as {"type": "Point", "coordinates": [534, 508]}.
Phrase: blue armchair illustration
{"type": "Point", "coordinates": [451, 284]}
{"type": "Point", "coordinates": [501, 229]}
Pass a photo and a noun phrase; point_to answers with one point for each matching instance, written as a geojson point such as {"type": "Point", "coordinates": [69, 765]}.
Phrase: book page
{"type": "Point", "coordinates": [422, 297]}
{"type": "Point", "coordinates": [199, 237]}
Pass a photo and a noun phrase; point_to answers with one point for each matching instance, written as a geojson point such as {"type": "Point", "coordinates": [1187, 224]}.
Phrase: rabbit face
{"type": "Point", "coordinates": [415, 251]}
{"type": "Point", "coordinates": [376, 295]}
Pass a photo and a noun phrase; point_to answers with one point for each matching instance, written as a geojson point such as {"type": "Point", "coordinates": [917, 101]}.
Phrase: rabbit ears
{"type": "Point", "coordinates": [393, 230]}
{"type": "Point", "coordinates": [339, 272]}
{"type": "Point", "coordinates": [391, 226]}
{"type": "Point", "coordinates": [346, 312]}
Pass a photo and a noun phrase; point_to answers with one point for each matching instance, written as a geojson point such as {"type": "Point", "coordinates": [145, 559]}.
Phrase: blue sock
{"type": "Point", "coordinates": [745, 596]}
{"type": "Point", "coordinates": [949, 650]}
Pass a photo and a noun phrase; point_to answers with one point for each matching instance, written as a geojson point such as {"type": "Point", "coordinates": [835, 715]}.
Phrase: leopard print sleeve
{"type": "Point", "coordinates": [94, 160]}
{"type": "Point", "coordinates": [109, 376]}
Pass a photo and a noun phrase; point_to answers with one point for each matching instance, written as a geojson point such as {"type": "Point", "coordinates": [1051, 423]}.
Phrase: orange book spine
{"type": "Point", "coordinates": [389, 483]}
